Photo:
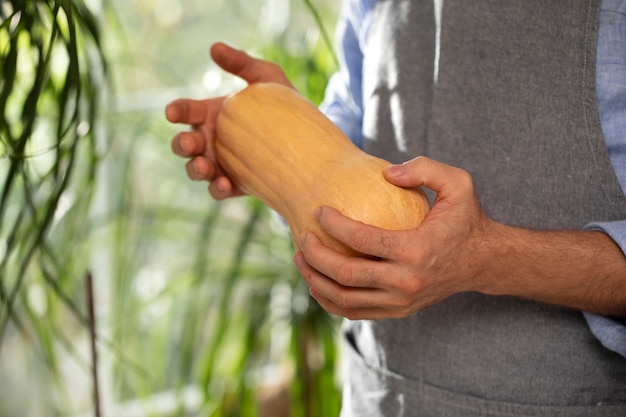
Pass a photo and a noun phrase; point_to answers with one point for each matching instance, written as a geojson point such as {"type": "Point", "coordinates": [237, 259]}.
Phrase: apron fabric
{"type": "Point", "coordinates": [514, 104]}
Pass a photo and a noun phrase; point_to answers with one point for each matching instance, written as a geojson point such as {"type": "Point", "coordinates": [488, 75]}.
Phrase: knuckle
{"type": "Point", "coordinates": [411, 287]}
{"type": "Point", "coordinates": [465, 180]}
{"type": "Point", "coordinates": [423, 259]}
{"type": "Point", "coordinates": [406, 312]}
{"type": "Point", "coordinates": [359, 240]}
{"type": "Point", "coordinates": [371, 277]}
{"type": "Point", "coordinates": [389, 245]}
{"type": "Point", "coordinates": [404, 307]}
{"type": "Point", "coordinates": [385, 244]}
{"type": "Point", "coordinates": [274, 68]}
{"type": "Point", "coordinates": [275, 71]}
{"type": "Point", "coordinates": [422, 162]}
{"type": "Point", "coordinates": [401, 303]}
{"type": "Point", "coordinates": [351, 314]}
{"type": "Point", "coordinates": [349, 276]}
{"type": "Point", "coordinates": [345, 275]}
{"type": "Point", "coordinates": [342, 301]}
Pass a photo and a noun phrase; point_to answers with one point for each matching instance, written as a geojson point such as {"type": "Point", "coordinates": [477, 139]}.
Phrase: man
{"type": "Point", "coordinates": [519, 108]}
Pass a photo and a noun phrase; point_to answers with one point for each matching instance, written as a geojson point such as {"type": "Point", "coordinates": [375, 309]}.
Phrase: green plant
{"type": "Point", "coordinates": [53, 74]}
{"type": "Point", "coordinates": [194, 296]}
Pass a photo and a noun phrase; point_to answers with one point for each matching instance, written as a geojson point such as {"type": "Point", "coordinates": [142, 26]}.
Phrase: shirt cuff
{"type": "Point", "coordinates": [616, 230]}
{"type": "Point", "coordinates": [611, 332]}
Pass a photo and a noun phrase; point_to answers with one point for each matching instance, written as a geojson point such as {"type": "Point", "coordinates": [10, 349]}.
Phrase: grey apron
{"type": "Point", "coordinates": [514, 104]}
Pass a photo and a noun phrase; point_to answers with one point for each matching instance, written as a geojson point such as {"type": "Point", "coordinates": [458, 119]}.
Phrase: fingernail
{"type": "Point", "coordinates": [220, 186]}
{"type": "Point", "coordinates": [194, 169]}
{"type": "Point", "coordinates": [395, 170]}
{"type": "Point", "coordinates": [303, 238]}
{"type": "Point", "coordinates": [298, 259]}
{"type": "Point", "coordinates": [318, 213]}
{"type": "Point", "coordinates": [186, 144]}
{"type": "Point", "coordinates": [171, 112]}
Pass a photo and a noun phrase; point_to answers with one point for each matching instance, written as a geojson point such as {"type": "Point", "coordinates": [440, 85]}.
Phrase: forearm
{"type": "Point", "coordinates": [585, 270]}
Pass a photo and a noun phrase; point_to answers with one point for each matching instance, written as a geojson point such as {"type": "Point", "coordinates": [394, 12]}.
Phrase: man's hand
{"type": "Point", "coordinates": [197, 144]}
{"type": "Point", "coordinates": [414, 268]}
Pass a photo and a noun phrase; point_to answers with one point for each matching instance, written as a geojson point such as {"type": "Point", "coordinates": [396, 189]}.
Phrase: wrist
{"type": "Point", "coordinates": [496, 253]}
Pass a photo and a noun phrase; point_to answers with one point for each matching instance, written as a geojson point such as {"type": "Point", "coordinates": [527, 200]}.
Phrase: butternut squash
{"type": "Point", "coordinates": [277, 146]}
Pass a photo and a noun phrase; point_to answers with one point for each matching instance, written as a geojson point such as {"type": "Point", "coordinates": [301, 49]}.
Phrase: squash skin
{"type": "Point", "coordinates": [277, 146]}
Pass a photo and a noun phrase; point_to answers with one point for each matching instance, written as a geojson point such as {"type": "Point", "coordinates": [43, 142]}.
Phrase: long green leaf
{"type": "Point", "coordinates": [231, 278]}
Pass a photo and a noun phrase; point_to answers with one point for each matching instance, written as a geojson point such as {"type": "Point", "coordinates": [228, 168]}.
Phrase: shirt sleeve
{"type": "Point", "coordinates": [611, 92]}
{"type": "Point", "coordinates": [343, 98]}
{"type": "Point", "coordinates": [610, 331]}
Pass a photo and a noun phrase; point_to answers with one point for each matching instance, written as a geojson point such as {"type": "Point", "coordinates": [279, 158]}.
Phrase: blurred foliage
{"type": "Point", "coordinates": [195, 298]}
{"type": "Point", "coordinates": [53, 75]}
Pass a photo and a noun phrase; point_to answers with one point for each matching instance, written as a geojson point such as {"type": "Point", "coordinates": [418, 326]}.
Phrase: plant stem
{"type": "Point", "coordinates": [94, 351]}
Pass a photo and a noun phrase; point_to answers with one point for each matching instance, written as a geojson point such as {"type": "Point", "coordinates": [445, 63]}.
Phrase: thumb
{"type": "Point", "coordinates": [252, 70]}
{"type": "Point", "coordinates": [423, 171]}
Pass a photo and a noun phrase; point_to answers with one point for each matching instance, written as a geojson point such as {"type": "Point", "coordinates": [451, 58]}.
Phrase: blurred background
{"type": "Point", "coordinates": [193, 307]}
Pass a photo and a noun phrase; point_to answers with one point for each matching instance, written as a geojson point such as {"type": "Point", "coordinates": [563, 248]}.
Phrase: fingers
{"type": "Point", "coordinates": [357, 272]}
{"type": "Point", "coordinates": [188, 144]}
{"type": "Point", "coordinates": [347, 271]}
{"type": "Point", "coordinates": [250, 69]}
{"type": "Point", "coordinates": [222, 188]}
{"type": "Point", "coordinates": [353, 302]}
{"type": "Point", "coordinates": [202, 115]}
{"type": "Point", "coordinates": [200, 169]}
{"type": "Point", "coordinates": [352, 294]}
{"type": "Point", "coordinates": [193, 112]}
